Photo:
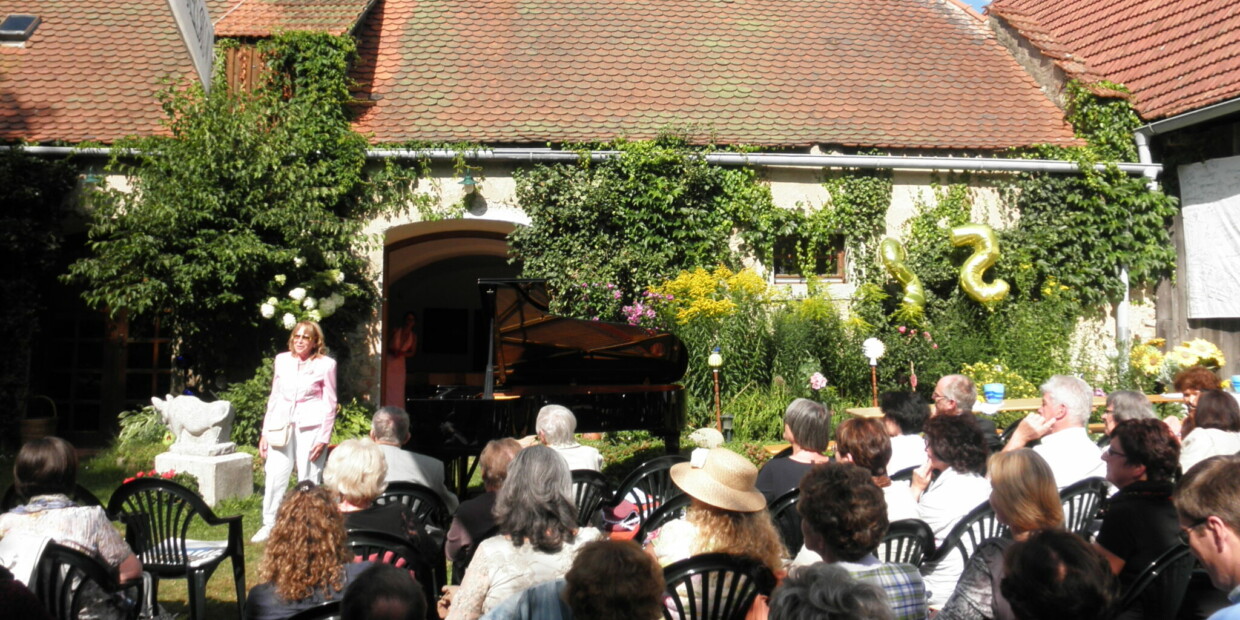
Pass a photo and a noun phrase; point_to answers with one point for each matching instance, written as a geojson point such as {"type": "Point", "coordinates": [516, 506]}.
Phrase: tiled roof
{"type": "Point", "coordinates": [1174, 56]}
{"type": "Point", "coordinates": [879, 73]}
{"type": "Point", "coordinates": [261, 18]}
{"type": "Point", "coordinates": [90, 72]}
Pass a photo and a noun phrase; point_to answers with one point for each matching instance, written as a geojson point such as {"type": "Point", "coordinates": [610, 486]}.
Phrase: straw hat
{"type": "Point", "coordinates": [721, 478]}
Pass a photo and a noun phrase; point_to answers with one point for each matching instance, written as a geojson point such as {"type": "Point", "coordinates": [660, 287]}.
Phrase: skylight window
{"type": "Point", "coordinates": [16, 29]}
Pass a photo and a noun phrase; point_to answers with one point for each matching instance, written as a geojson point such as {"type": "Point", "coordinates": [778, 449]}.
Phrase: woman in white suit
{"type": "Point", "coordinates": [300, 415]}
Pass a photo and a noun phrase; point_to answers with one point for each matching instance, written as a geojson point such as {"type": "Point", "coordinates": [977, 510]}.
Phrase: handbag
{"type": "Point", "coordinates": [278, 437]}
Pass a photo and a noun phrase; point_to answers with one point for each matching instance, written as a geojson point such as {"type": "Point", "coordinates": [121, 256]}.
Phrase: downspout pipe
{"type": "Point", "coordinates": [792, 160]}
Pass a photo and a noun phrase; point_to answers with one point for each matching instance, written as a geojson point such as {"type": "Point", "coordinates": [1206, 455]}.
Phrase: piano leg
{"type": "Point", "coordinates": [671, 443]}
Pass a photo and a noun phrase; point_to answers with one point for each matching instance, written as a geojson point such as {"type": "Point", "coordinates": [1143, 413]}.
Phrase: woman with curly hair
{"type": "Point", "coordinates": [306, 562]}
{"type": "Point", "coordinates": [1025, 498]}
{"type": "Point", "coordinates": [727, 514]}
{"type": "Point", "coordinates": [957, 454]}
{"type": "Point", "coordinates": [539, 536]}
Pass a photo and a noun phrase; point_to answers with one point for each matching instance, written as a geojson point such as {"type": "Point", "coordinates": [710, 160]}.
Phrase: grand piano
{"type": "Point", "coordinates": [612, 376]}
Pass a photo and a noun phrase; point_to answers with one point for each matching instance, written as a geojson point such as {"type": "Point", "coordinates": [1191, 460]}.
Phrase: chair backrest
{"type": "Point", "coordinates": [60, 581]}
{"type": "Point", "coordinates": [590, 491]}
{"type": "Point", "coordinates": [788, 521]}
{"type": "Point", "coordinates": [673, 508]}
{"type": "Point", "coordinates": [908, 541]}
{"type": "Point", "coordinates": [1080, 504]}
{"type": "Point", "coordinates": [714, 586]}
{"type": "Point", "coordinates": [157, 514]}
{"type": "Point", "coordinates": [1160, 588]}
{"type": "Point", "coordinates": [423, 502]}
{"type": "Point", "coordinates": [1008, 431]}
{"type": "Point", "coordinates": [80, 494]}
{"type": "Point", "coordinates": [382, 547]}
{"type": "Point", "coordinates": [904, 475]}
{"type": "Point", "coordinates": [976, 527]}
{"type": "Point", "coordinates": [323, 611]}
{"type": "Point", "coordinates": [653, 479]}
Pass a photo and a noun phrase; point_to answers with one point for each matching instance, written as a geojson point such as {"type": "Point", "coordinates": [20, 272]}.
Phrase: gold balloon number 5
{"type": "Point", "coordinates": [986, 253]}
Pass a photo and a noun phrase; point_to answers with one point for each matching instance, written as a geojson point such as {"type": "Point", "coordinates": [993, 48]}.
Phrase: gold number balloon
{"type": "Point", "coordinates": [892, 255]}
{"type": "Point", "coordinates": [986, 252]}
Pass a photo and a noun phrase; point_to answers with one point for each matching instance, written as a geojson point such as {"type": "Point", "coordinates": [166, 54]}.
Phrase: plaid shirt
{"type": "Point", "coordinates": [906, 594]}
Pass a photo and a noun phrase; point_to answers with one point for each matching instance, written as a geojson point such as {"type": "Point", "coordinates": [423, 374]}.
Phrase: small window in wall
{"type": "Point", "coordinates": [827, 259]}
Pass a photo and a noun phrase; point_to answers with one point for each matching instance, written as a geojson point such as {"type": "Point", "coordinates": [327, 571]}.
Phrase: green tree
{"type": "Point", "coordinates": [253, 196]}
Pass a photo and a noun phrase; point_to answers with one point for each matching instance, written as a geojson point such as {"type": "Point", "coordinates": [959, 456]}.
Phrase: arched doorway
{"type": "Point", "coordinates": [432, 270]}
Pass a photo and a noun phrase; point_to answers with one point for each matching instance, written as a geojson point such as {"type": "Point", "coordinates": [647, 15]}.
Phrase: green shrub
{"type": "Point", "coordinates": [142, 427]}
{"type": "Point", "coordinates": [352, 422]}
{"type": "Point", "coordinates": [758, 412]}
{"type": "Point", "coordinates": [249, 401]}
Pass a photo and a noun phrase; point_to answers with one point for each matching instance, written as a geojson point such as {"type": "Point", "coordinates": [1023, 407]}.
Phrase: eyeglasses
{"type": "Point", "coordinates": [1114, 452]}
{"type": "Point", "coordinates": [1186, 531]}
{"type": "Point", "coordinates": [303, 337]}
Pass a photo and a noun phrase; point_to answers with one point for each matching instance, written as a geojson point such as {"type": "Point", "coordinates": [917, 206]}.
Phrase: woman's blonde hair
{"type": "Point", "coordinates": [320, 349]}
{"type": "Point", "coordinates": [1023, 490]}
{"type": "Point", "coordinates": [751, 534]}
{"type": "Point", "coordinates": [357, 471]}
{"type": "Point", "coordinates": [307, 545]}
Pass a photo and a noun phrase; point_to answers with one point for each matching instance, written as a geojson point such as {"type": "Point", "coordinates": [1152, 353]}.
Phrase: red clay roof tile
{"type": "Point", "coordinates": [883, 73]}
{"type": "Point", "coordinates": [91, 70]}
{"type": "Point", "coordinates": [1173, 56]}
{"type": "Point", "coordinates": [262, 18]}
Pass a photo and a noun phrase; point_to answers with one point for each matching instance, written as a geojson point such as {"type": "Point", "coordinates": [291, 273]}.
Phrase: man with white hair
{"type": "Point", "coordinates": [1060, 424]}
{"type": "Point", "coordinates": [555, 426]}
{"type": "Point", "coordinates": [390, 429]}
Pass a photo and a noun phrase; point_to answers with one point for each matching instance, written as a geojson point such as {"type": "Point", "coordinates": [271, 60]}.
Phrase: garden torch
{"type": "Point", "coordinates": [873, 348]}
{"type": "Point", "coordinates": [715, 361]}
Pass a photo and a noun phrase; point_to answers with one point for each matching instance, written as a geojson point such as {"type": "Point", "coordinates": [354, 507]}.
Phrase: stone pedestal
{"type": "Point", "coordinates": [219, 477]}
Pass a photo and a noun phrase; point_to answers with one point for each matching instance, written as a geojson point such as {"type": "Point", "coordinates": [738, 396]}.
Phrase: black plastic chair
{"type": "Point", "coordinates": [654, 480]}
{"type": "Point", "coordinates": [788, 521]}
{"type": "Point", "coordinates": [904, 475]}
{"type": "Point", "coordinates": [80, 494]}
{"type": "Point", "coordinates": [1008, 431]}
{"type": "Point", "coordinates": [673, 508]}
{"type": "Point", "coordinates": [382, 547]}
{"type": "Point", "coordinates": [325, 611]}
{"type": "Point", "coordinates": [1081, 501]}
{"type": "Point", "coordinates": [61, 580]}
{"type": "Point", "coordinates": [425, 503]}
{"type": "Point", "coordinates": [979, 525]}
{"type": "Point", "coordinates": [157, 514]}
{"type": "Point", "coordinates": [1161, 586]}
{"type": "Point", "coordinates": [590, 491]}
{"type": "Point", "coordinates": [714, 586]}
{"type": "Point", "coordinates": [908, 541]}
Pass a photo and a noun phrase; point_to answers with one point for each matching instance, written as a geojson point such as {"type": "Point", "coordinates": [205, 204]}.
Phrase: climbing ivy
{"type": "Point", "coordinates": [1105, 122]}
{"type": "Point", "coordinates": [251, 196]}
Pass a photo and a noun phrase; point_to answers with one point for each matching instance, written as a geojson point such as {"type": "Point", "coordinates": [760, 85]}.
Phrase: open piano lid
{"type": "Point", "coordinates": [530, 346]}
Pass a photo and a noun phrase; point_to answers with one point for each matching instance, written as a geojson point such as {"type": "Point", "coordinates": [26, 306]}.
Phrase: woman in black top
{"type": "Point", "coordinates": [807, 426]}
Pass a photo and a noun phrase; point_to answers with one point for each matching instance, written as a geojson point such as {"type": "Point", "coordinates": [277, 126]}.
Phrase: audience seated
{"type": "Point", "coordinates": [1060, 425]}
{"type": "Point", "coordinates": [956, 395]}
{"type": "Point", "coordinates": [356, 470]}
{"type": "Point", "coordinates": [474, 520]}
{"type": "Point", "coordinates": [807, 426]}
{"type": "Point", "coordinates": [1024, 498]}
{"type": "Point", "coordinates": [389, 428]}
{"type": "Point", "coordinates": [1139, 521]}
{"type": "Point", "coordinates": [306, 562]}
{"type": "Point", "coordinates": [727, 514]}
{"type": "Point", "coordinates": [1055, 575]}
{"type": "Point", "coordinates": [555, 426]}
{"type": "Point", "coordinates": [844, 518]}
{"type": "Point", "coordinates": [864, 442]}
{"type": "Point", "coordinates": [957, 454]}
{"type": "Point", "coordinates": [383, 592]}
{"type": "Point", "coordinates": [827, 591]}
{"type": "Point", "coordinates": [1209, 521]}
{"type": "Point", "coordinates": [1126, 405]}
{"type": "Point", "coordinates": [609, 580]}
{"type": "Point", "coordinates": [46, 472]}
{"type": "Point", "coordinates": [904, 413]}
{"type": "Point", "coordinates": [536, 515]}
{"type": "Point", "coordinates": [1213, 429]}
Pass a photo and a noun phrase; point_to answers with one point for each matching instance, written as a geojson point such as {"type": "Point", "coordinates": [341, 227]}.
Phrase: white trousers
{"type": "Point", "coordinates": [279, 467]}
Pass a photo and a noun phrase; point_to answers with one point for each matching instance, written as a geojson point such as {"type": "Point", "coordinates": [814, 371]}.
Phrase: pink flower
{"type": "Point", "coordinates": [926, 334]}
{"type": "Point", "coordinates": [901, 329]}
{"type": "Point", "coordinates": [817, 381]}
{"type": "Point", "coordinates": [913, 333]}
{"type": "Point", "coordinates": [615, 295]}
{"type": "Point", "coordinates": [936, 346]}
